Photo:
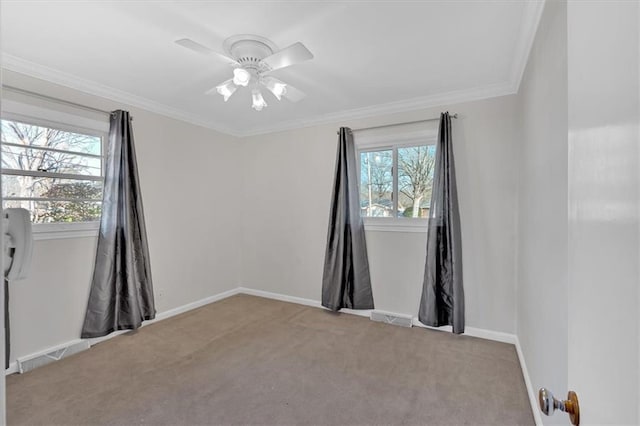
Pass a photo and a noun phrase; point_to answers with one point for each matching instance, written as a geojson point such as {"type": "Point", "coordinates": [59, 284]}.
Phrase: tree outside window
{"type": "Point", "coordinates": [54, 173]}
{"type": "Point", "coordinates": [407, 195]}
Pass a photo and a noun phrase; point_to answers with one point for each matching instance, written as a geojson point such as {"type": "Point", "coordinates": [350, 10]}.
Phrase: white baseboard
{"type": "Point", "coordinates": [469, 331]}
{"type": "Point", "coordinates": [497, 336]}
{"type": "Point", "coordinates": [171, 313]}
{"type": "Point", "coordinates": [13, 367]}
{"type": "Point", "coordinates": [278, 296]}
{"type": "Point", "coordinates": [299, 301]}
{"type": "Point", "coordinates": [480, 333]}
{"type": "Point", "coordinates": [533, 397]}
{"type": "Point", "coordinates": [194, 305]}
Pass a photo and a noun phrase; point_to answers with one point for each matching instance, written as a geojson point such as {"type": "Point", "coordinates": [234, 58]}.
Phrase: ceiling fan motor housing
{"type": "Point", "coordinates": [249, 50]}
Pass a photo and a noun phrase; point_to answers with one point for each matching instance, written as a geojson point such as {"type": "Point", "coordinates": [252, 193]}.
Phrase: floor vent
{"type": "Point", "coordinates": [394, 319]}
{"type": "Point", "coordinates": [28, 364]}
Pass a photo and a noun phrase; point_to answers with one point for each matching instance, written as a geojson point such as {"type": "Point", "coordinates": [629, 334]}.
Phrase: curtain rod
{"type": "Point", "coordinates": [454, 115]}
{"type": "Point", "coordinates": [51, 98]}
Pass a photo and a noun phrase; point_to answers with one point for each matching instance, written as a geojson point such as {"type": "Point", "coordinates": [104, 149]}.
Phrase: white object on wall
{"type": "Point", "coordinates": [18, 243]}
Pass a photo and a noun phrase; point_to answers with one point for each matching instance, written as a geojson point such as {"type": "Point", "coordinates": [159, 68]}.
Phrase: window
{"type": "Point", "coordinates": [405, 194]}
{"type": "Point", "coordinates": [54, 171]}
{"type": "Point", "coordinates": [396, 168]}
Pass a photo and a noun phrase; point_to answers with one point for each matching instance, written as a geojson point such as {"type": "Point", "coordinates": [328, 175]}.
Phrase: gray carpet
{"type": "Point", "coordinates": [249, 360]}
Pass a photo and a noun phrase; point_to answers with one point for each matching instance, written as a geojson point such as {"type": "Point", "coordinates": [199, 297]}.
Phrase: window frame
{"type": "Point", "coordinates": [56, 119]}
{"type": "Point", "coordinates": [373, 144]}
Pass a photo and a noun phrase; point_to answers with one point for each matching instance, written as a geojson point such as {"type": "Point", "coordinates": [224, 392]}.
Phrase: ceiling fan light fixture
{"type": "Point", "coordinates": [253, 58]}
{"type": "Point", "coordinates": [258, 101]}
{"type": "Point", "coordinates": [241, 77]}
{"type": "Point", "coordinates": [226, 89]}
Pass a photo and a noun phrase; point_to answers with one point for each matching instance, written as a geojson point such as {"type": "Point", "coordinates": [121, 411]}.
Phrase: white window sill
{"type": "Point", "coordinates": [57, 231]}
{"type": "Point", "coordinates": [392, 224]}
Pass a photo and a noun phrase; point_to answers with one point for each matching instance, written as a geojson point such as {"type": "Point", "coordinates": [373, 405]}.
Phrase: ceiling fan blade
{"type": "Point", "coordinates": [203, 50]}
{"type": "Point", "coordinates": [196, 47]}
{"type": "Point", "coordinates": [291, 55]}
{"type": "Point", "coordinates": [293, 94]}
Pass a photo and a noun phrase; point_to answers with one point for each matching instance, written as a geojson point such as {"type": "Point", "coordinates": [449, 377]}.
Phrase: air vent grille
{"type": "Point", "coordinates": [30, 363]}
{"type": "Point", "coordinates": [393, 319]}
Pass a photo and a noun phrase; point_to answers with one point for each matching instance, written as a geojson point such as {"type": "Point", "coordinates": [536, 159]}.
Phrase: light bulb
{"type": "Point", "coordinates": [241, 76]}
{"type": "Point", "coordinates": [258, 101]}
{"type": "Point", "coordinates": [226, 89]}
{"type": "Point", "coordinates": [276, 87]}
{"type": "Point", "coordinates": [279, 89]}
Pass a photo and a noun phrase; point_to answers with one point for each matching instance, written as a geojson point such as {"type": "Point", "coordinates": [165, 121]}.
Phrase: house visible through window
{"type": "Point", "coordinates": [55, 173]}
{"type": "Point", "coordinates": [405, 193]}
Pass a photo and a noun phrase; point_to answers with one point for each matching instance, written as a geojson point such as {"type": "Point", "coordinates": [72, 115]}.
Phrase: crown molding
{"type": "Point", "coordinates": [32, 69]}
{"type": "Point", "coordinates": [446, 98]}
{"type": "Point", "coordinates": [528, 28]}
{"type": "Point", "coordinates": [530, 20]}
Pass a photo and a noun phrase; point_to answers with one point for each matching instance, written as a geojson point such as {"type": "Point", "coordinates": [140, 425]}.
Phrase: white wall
{"type": "Point", "coordinates": [190, 189]}
{"type": "Point", "coordinates": [578, 250]}
{"type": "Point", "coordinates": [603, 209]}
{"type": "Point", "coordinates": [289, 179]}
{"type": "Point", "coordinates": [542, 207]}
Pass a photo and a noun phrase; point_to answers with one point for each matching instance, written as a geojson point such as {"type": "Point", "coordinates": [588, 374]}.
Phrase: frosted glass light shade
{"type": "Point", "coordinates": [276, 87]}
{"type": "Point", "coordinates": [241, 77]}
{"type": "Point", "coordinates": [226, 89]}
{"type": "Point", "coordinates": [258, 101]}
{"type": "Point", "coordinates": [279, 89]}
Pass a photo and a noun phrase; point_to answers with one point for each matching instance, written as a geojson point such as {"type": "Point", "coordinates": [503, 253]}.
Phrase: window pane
{"type": "Point", "coordinates": [415, 180]}
{"type": "Point", "coordinates": [44, 187]}
{"type": "Point", "coordinates": [59, 211]}
{"type": "Point", "coordinates": [376, 183]}
{"type": "Point", "coordinates": [27, 158]}
{"type": "Point", "coordinates": [32, 135]}
{"type": "Point", "coordinates": [34, 148]}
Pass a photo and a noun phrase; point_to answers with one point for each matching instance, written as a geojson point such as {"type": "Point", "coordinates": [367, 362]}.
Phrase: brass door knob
{"type": "Point", "coordinates": [549, 404]}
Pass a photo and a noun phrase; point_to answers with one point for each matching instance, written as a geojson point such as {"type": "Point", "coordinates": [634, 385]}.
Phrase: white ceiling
{"type": "Point", "coordinates": [371, 57]}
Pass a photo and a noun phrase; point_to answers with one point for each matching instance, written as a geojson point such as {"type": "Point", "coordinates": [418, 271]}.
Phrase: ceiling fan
{"type": "Point", "coordinates": [253, 58]}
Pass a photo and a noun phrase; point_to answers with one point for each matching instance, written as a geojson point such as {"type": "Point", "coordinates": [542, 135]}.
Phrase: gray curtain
{"type": "Point", "coordinates": [442, 301]}
{"type": "Point", "coordinates": [121, 290]}
{"type": "Point", "coordinates": [345, 281]}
